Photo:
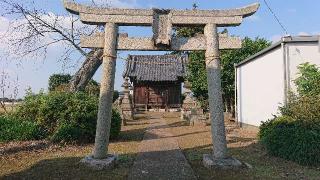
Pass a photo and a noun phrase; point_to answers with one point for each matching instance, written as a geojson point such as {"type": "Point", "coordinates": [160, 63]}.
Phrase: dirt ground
{"type": "Point", "coordinates": [243, 145]}
{"type": "Point", "coordinates": [42, 160]}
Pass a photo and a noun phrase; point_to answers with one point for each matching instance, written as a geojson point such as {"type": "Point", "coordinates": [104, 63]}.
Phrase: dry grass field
{"type": "Point", "coordinates": [9, 107]}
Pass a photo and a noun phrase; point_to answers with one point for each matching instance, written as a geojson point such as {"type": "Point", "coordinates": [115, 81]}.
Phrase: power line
{"type": "Point", "coordinates": [276, 17]}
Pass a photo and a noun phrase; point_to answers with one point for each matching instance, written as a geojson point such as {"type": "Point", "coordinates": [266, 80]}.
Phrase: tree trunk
{"type": "Point", "coordinates": [233, 110]}
{"type": "Point", "coordinates": [225, 102]}
{"type": "Point", "coordinates": [229, 104]}
{"type": "Point", "coordinates": [81, 78]}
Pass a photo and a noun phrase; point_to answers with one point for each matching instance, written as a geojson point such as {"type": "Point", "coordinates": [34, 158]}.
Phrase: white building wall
{"type": "Point", "coordinates": [260, 87]}
{"type": "Point", "coordinates": [299, 53]}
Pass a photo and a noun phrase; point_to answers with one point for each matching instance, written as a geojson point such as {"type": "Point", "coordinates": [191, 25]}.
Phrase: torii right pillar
{"type": "Point", "coordinates": [219, 157]}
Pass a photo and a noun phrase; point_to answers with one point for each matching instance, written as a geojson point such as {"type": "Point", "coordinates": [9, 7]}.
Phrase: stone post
{"type": "Point", "coordinates": [219, 157]}
{"type": "Point", "coordinates": [106, 92]}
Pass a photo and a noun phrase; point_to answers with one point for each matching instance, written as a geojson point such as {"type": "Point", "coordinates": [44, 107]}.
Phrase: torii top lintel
{"type": "Point", "coordinates": [144, 17]}
{"type": "Point", "coordinates": [162, 22]}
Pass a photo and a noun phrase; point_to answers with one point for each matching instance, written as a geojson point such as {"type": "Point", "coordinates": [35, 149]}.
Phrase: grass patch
{"type": "Point", "coordinates": [15, 129]}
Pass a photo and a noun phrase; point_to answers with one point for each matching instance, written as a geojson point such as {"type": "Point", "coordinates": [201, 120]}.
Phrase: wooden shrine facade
{"type": "Point", "coordinates": [156, 80]}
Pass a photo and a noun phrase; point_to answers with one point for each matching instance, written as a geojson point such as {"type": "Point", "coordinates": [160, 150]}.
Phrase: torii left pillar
{"type": "Point", "coordinates": [100, 159]}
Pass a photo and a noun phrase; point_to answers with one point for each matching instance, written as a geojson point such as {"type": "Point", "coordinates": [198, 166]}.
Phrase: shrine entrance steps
{"type": "Point", "coordinates": [159, 155]}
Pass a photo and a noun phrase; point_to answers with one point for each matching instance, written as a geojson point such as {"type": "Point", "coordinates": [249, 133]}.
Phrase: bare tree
{"type": "Point", "coordinates": [3, 86]}
{"type": "Point", "coordinates": [81, 78]}
{"type": "Point", "coordinates": [7, 84]}
{"type": "Point", "coordinates": [33, 31]}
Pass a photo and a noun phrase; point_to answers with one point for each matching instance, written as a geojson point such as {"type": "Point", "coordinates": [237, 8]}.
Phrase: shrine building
{"type": "Point", "coordinates": [156, 80]}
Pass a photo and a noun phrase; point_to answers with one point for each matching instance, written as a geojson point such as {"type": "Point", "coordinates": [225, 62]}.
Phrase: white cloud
{"type": "Point", "coordinates": [35, 73]}
{"type": "Point", "coordinates": [4, 23]}
{"type": "Point", "coordinates": [9, 34]}
{"type": "Point", "coordinates": [150, 6]}
{"type": "Point", "coordinates": [275, 38]}
{"type": "Point", "coordinates": [31, 68]}
{"type": "Point", "coordinates": [254, 18]}
{"type": "Point", "coordinates": [292, 10]}
{"type": "Point", "coordinates": [308, 34]}
{"type": "Point", "coordinates": [316, 33]}
{"type": "Point", "coordinates": [9, 82]}
{"type": "Point", "coordinates": [303, 34]}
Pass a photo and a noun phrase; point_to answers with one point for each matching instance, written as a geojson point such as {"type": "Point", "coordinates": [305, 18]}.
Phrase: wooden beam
{"type": "Point", "coordinates": [147, 44]}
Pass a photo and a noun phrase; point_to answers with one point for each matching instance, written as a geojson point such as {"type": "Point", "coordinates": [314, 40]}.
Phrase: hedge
{"type": "Point", "coordinates": [295, 135]}
{"type": "Point", "coordinates": [61, 116]}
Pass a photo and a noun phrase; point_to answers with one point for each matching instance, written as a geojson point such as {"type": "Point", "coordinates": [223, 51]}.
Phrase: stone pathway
{"type": "Point", "coordinates": [160, 156]}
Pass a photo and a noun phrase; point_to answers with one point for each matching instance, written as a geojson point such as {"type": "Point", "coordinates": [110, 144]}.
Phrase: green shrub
{"type": "Point", "coordinates": [65, 116]}
{"type": "Point", "coordinates": [290, 139]}
{"type": "Point", "coordinates": [302, 108]}
{"type": "Point", "coordinates": [296, 134]}
{"type": "Point", "coordinates": [56, 80]}
{"type": "Point", "coordinates": [115, 124]}
{"type": "Point", "coordinates": [308, 82]}
{"type": "Point", "coordinates": [85, 132]}
{"type": "Point", "coordinates": [71, 132]}
{"type": "Point", "coordinates": [115, 95]}
{"type": "Point", "coordinates": [93, 88]}
{"type": "Point", "coordinates": [14, 129]}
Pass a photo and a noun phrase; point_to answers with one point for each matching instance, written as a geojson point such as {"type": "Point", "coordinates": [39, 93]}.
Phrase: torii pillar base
{"type": "Point", "coordinates": [100, 164]}
{"type": "Point", "coordinates": [222, 163]}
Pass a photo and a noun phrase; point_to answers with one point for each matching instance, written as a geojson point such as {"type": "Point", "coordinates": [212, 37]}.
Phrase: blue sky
{"type": "Point", "coordinates": [299, 18]}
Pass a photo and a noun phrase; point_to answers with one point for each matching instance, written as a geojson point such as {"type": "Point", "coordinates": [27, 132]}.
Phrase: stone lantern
{"type": "Point", "coordinates": [126, 105]}
{"type": "Point", "coordinates": [188, 103]}
{"type": "Point", "coordinates": [191, 110]}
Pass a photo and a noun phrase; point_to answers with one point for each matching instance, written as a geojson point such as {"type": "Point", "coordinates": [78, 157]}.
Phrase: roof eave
{"type": "Point", "coordinates": [287, 39]}
{"type": "Point", "coordinates": [250, 58]}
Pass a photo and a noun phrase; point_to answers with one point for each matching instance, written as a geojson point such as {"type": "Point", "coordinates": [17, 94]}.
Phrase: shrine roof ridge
{"type": "Point", "coordinates": [156, 67]}
{"type": "Point", "coordinates": [76, 8]}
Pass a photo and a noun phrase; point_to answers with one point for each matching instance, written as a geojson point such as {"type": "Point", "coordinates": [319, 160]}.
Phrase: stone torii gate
{"type": "Point", "coordinates": [162, 22]}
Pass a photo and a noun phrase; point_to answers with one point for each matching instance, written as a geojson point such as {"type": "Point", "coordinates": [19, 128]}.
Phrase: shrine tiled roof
{"type": "Point", "coordinates": [156, 67]}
